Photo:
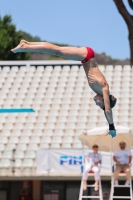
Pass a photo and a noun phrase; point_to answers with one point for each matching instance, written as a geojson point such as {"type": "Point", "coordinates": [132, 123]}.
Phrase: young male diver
{"type": "Point", "coordinates": [96, 79]}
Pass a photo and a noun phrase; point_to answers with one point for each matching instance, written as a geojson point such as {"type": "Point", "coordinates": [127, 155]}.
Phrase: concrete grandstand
{"type": "Point", "coordinates": [63, 102]}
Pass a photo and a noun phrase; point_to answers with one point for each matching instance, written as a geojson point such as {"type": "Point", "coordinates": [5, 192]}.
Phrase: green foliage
{"type": "Point", "coordinates": [10, 38]}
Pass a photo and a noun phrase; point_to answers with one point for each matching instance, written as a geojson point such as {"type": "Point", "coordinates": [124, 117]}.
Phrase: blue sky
{"type": "Point", "coordinates": [94, 23]}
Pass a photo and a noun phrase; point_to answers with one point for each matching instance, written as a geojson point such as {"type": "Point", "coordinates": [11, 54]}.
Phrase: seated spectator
{"type": "Point", "coordinates": [91, 163]}
{"type": "Point", "coordinates": [122, 158]}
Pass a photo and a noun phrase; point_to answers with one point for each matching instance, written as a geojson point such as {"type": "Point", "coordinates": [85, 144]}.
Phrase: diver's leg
{"type": "Point", "coordinates": [70, 53]}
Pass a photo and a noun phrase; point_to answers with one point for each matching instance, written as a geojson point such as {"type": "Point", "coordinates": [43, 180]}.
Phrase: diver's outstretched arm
{"type": "Point", "coordinates": [70, 53]}
{"type": "Point", "coordinates": [108, 111]}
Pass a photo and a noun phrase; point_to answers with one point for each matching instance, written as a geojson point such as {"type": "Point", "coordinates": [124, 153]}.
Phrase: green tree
{"type": "Point", "coordinates": [129, 21]}
{"type": "Point", "coordinates": [10, 38]}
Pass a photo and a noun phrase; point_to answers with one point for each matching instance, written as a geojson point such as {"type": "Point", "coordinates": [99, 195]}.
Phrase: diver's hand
{"type": "Point", "coordinates": [112, 133]}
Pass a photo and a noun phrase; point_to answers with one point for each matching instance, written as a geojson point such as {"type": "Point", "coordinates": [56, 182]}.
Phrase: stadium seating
{"type": "Point", "coordinates": [63, 104]}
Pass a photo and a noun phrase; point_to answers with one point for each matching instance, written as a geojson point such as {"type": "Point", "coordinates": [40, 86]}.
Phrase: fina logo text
{"type": "Point", "coordinates": [71, 160]}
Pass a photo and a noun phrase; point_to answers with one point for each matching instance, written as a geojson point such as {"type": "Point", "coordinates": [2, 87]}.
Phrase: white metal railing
{"type": "Point", "coordinates": [29, 63]}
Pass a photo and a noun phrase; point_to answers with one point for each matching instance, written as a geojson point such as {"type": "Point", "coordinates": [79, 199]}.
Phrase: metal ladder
{"type": "Point", "coordinates": [94, 197]}
{"type": "Point", "coordinates": [120, 186]}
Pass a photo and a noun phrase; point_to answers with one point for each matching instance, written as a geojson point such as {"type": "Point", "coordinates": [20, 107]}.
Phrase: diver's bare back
{"type": "Point", "coordinates": [95, 77]}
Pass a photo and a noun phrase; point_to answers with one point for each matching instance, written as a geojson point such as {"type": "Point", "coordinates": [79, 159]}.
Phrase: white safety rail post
{"type": "Point", "coordinates": [100, 196]}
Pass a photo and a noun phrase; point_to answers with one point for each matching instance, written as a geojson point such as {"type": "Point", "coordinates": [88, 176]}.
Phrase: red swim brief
{"type": "Point", "coordinates": [90, 55]}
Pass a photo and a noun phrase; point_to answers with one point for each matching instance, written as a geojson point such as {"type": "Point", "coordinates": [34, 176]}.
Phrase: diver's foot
{"type": "Point", "coordinates": [23, 41]}
{"type": "Point", "coordinates": [20, 48]}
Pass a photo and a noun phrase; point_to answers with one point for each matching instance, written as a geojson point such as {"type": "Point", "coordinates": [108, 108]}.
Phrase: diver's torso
{"type": "Point", "coordinates": [95, 78]}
